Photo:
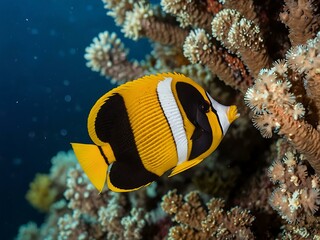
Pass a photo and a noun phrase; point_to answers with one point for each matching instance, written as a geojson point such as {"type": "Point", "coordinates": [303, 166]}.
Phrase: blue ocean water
{"type": "Point", "coordinates": [46, 91]}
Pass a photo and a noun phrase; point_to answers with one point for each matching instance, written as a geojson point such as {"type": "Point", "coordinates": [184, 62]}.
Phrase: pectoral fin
{"type": "Point", "coordinates": [184, 166]}
{"type": "Point", "coordinates": [202, 121]}
{"type": "Point", "coordinates": [201, 126]}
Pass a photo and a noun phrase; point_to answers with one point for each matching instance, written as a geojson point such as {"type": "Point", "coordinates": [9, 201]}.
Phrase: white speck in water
{"type": "Point", "coordinates": [72, 51]}
{"type": "Point", "coordinates": [31, 134]}
{"type": "Point", "coordinates": [66, 82]}
{"type": "Point", "coordinates": [63, 132]}
{"type": "Point", "coordinates": [34, 31]}
{"type": "Point", "coordinates": [34, 119]}
{"type": "Point", "coordinates": [67, 98]}
{"type": "Point", "coordinates": [17, 161]}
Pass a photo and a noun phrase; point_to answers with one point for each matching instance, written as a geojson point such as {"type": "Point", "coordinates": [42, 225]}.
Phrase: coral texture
{"type": "Point", "coordinates": [275, 106]}
{"type": "Point", "coordinates": [199, 221]}
{"type": "Point", "coordinates": [302, 19]}
{"type": "Point", "coordinates": [40, 194]}
{"type": "Point", "coordinates": [262, 56]}
{"type": "Point", "coordinates": [297, 196]}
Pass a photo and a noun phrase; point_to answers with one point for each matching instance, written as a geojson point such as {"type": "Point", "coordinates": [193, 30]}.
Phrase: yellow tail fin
{"type": "Point", "coordinates": [93, 163]}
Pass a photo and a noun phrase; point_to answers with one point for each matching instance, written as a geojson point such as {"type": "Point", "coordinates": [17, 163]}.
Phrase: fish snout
{"type": "Point", "coordinates": [232, 113]}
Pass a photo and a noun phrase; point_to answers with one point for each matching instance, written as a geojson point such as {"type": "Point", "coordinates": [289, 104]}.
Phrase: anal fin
{"type": "Point", "coordinates": [185, 166]}
{"type": "Point", "coordinates": [127, 177]}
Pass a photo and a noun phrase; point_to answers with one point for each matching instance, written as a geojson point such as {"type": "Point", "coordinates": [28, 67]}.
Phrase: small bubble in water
{"type": "Point", "coordinates": [67, 98]}
{"type": "Point", "coordinates": [52, 32]}
{"type": "Point", "coordinates": [72, 51]}
{"type": "Point", "coordinates": [66, 82]}
{"type": "Point", "coordinates": [48, 90]}
{"type": "Point", "coordinates": [31, 134]}
{"type": "Point", "coordinates": [17, 161]}
{"type": "Point", "coordinates": [34, 31]}
{"type": "Point", "coordinates": [63, 132]}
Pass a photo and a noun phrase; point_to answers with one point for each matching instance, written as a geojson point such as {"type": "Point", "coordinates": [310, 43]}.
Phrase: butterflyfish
{"type": "Point", "coordinates": [149, 126]}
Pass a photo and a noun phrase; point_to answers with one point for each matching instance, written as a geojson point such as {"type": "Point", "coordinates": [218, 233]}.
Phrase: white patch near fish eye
{"type": "Point", "coordinates": [222, 112]}
{"type": "Point", "coordinates": [171, 111]}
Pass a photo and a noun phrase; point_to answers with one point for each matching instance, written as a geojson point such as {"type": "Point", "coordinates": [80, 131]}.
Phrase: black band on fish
{"type": "Point", "coordinates": [191, 101]}
{"type": "Point", "coordinates": [113, 126]}
{"type": "Point", "coordinates": [103, 155]}
{"type": "Point", "coordinates": [216, 113]}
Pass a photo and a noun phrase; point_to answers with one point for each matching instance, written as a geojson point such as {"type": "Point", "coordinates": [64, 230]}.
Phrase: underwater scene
{"type": "Point", "coordinates": [182, 119]}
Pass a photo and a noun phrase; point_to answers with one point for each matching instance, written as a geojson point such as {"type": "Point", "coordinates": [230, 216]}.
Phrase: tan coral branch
{"type": "Point", "coordinates": [189, 13]}
{"type": "Point", "coordinates": [107, 55]}
{"type": "Point", "coordinates": [301, 135]}
{"type": "Point", "coordinates": [163, 32]}
{"type": "Point", "coordinates": [305, 60]}
{"type": "Point", "coordinates": [143, 22]}
{"type": "Point", "coordinates": [211, 221]}
{"type": "Point", "coordinates": [243, 37]}
{"type": "Point", "coordinates": [198, 48]}
{"type": "Point", "coordinates": [117, 9]}
{"type": "Point", "coordinates": [301, 19]}
{"type": "Point", "coordinates": [245, 8]}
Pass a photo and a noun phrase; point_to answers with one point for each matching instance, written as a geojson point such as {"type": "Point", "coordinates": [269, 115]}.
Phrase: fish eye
{"type": "Point", "coordinates": [204, 107]}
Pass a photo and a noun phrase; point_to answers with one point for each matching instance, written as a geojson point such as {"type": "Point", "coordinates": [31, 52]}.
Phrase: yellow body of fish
{"type": "Point", "coordinates": [146, 127]}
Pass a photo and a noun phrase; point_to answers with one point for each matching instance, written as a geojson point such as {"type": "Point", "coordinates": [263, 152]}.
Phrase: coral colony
{"type": "Point", "coordinates": [264, 57]}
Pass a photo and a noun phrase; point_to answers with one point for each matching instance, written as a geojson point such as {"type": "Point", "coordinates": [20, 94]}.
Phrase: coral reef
{"type": "Point", "coordinates": [83, 213]}
{"type": "Point", "coordinates": [262, 56]}
{"type": "Point", "coordinates": [275, 106]}
{"type": "Point", "coordinates": [199, 221]}
{"type": "Point", "coordinates": [297, 196]}
{"type": "Point", "coordinates": [45, 189]}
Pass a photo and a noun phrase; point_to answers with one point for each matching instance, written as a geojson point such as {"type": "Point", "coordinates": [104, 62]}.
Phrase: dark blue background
{"type": "Point", "coordinates": [42, 45]}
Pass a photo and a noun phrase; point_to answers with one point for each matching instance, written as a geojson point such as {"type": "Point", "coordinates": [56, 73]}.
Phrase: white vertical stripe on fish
{"type": "Point", "coordinates": [173, 115]}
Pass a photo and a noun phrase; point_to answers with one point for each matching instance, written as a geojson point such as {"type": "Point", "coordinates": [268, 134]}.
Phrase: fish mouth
{"type": "Point", "coordinates": [232, 113]}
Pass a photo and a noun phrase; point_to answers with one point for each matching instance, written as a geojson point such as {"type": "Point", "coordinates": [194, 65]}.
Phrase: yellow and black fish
{"type": "Point", "coordinates": [146, 127]}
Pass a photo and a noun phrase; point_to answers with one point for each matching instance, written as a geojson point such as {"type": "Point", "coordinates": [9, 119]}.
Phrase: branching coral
{"type": "Point", "coordinates": [243, 37]}
{"type": "Point", "coordinates": [117, 9]}
{"type": "Point", "coordinates": [199, 221]}
{"type": "Point", "coordinates": [198, 48]}
{"type": "Point", "coordinates": [106, 213]}
{"type": "Point", "coordinates": [297, 197]}
{"type": "Point", "coordinates": [142, 21]}
{"type": "Point", "coordinates": [236, 42]}
{"type": "Point", "coordinates": [84, 213]}
{"type": "Point", "coordinates": [47, 188]}
{"type": "Point", "coordinates": [302, 18]}
{"type": "Point", "coordinates": [245, 8]}
{"type": "Point", "coordinates": [305, 60]}
{"type": "Point", "coordinates": [275, 107]}
{"type": "Point", "coordinates": [188, 12]}
{"type": "Point", "coordinates": [108, 56]}
{"type": "Point", "coordinates": [28, 231]}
